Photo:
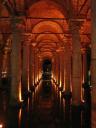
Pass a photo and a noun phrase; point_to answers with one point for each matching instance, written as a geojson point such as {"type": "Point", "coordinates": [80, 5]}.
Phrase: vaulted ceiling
{"type": "Point", "coordinates": [45, 22]}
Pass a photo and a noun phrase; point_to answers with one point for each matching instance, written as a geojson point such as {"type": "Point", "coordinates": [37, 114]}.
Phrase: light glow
{"type": "Point", "coordinates": [82, 95]}
{"type": "Point", "coordinates": [20, 95]}
{"type": "Point", "coordinates": [20, 113]}
{"type": "Point", "coordinates": [4, 74]}
{"type": "Point", "coordinates": [60, 83]}
{"type": "Point", "coordinates": [28, 83]}
{"type": "Point", "coordinates": [1, 125]}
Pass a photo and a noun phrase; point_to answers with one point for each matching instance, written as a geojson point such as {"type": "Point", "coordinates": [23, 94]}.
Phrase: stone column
{"type": "Point", "coordinates": [62, 68]}
{"type": "Point", "coordinates": [34, 79]}
{"type": "Point", "coordinates": [93, 64]}
{"type": "Point", "coordinates": [1, 58]}
{"type": "Point", "coordinates": [9, 59]}
{"type": "Point", "coordinates": [67, 71]}
{"type": "Point", "coordinates": [58, 69]}
{"type": "Point", "coordinates": [25, 69]}
{"type": "Point", "coordinates": [84, 65]}
{"type": "Point", "coordinates": [58, 66]}
{"type": "Point", "coordinates": [54, 66]}
{"type": "Point", "coordinates": [76, 65]}
{"type": "Point", "coordinates": [31, 79]}
{"type": "Point", "coordinates": [39, 66]}
{"type": "Point", "coordinates": [15, 65]}
{"type": "Point", "coordinates": [4, 63]}
{"type": "Point", "coordinates": [35, 67]}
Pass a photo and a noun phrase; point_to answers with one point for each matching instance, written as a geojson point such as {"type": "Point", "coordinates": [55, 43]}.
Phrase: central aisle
{"type": "Point", "coordinates": [45, 112]}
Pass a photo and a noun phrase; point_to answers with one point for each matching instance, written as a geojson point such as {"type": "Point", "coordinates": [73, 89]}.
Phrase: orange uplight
{"type": "Point", "coordinates": [20, 96]}
{"type": "Point", "coordinates": [60, 95]}
{"type": "Point", "coordinates": [1, 125]}
{"type": "Point", "coordinates": [28, 104]}
{"type": "Point", "coordinates": [28, 83]}
{"type": "Point", "coordinates": [82, 94]}
{"type": "Point", "coordinates": [60, 83]}
{"type": "Point", "coordinates": [20, 113]}
{"type": "Point", "coordinates": [64, 83]}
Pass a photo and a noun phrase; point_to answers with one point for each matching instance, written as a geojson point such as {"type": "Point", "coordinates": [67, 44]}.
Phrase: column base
{"type": "Point", "coordinates": [57, 84]}
{"type": "Point", "coordinates": [86, 85]}
{"type": "Point", "coordinates": [16, 103]}
{"type": "Point", "coordinates": [66, 95]}
{"type": "Point", "coordinates": [26, 94]}
{"type": "Point", "coordinates": [32, 88]}
{"type": "Point", "coordinates": [81, 106]}
{"type": "Point", "coordinates": [29, 93]}
{"type": "Point", "coordinates": [60, 88]}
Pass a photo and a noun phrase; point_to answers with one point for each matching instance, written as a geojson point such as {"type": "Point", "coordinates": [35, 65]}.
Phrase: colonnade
{"type": "Point", "coordinates": [25, 67]}
{"type": "Point", "coordinates": [70, 67]}
{"type": "Point", "coordinates": [69, 70]}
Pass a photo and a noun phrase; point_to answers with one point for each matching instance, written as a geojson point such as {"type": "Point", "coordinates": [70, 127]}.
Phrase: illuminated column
{"type": "Point", "coordinates": [84, 65]}
{"type": "Point", "coordinates": [4, 63]}
{"type": "Point", "coordinates": [25, 68]}
{"type": "Point", "coordinates": [35, 67]}
{"type": "Point", "coordinates": [54, 66]}
{"type": "Point", "coordinates": [58, 69]}
{"type": "Point", "coordinates": [15, 65]}
{"type": "Point", "coordinates": [38, 70]}
{"type": "Point", "coordinates": [76, 65]}
{"type": "Point", "coordinates": [39, 66]}
{"type": "Point", "coordinates": [8, 48]}
{"type": "Point", "coordinates": [93, 64]}
{"type": "Point", "coordinates": [67, 71]}
{"type": "Point", "coordinates": [58, 66]}
{"type": "Point", "coordinates": [53, 63]}
{"type": "Point", "coordinates": [1, 67]}
{"type": "Point", "coordinates": [34, 79]}
{"type": "Point", "coordinates": [62, 68]}
{"type": "Point", "coordinates": [1, 57]}
{"type": "Point", "coordinates": [31, 79]}
{"type": "Point", "coordinates": [6, 58]}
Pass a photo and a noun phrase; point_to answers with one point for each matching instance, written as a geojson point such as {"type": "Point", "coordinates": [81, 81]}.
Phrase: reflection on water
{"type": "Point", "coordinates": [19, 118]}
{"type": "Point", "coordinates": [43, 113]}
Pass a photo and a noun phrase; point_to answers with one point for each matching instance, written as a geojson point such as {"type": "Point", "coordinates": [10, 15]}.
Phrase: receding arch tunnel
{"type": "Point", "coordinates": [47, 64]}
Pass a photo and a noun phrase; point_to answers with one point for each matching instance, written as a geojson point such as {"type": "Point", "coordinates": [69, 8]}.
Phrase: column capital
{"type": "Point", "coordinates": [75, 25]}
{"type": "Point", "coordinates": [83, 50]}
{"type": "Point", "coordinates": [14, 22]}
